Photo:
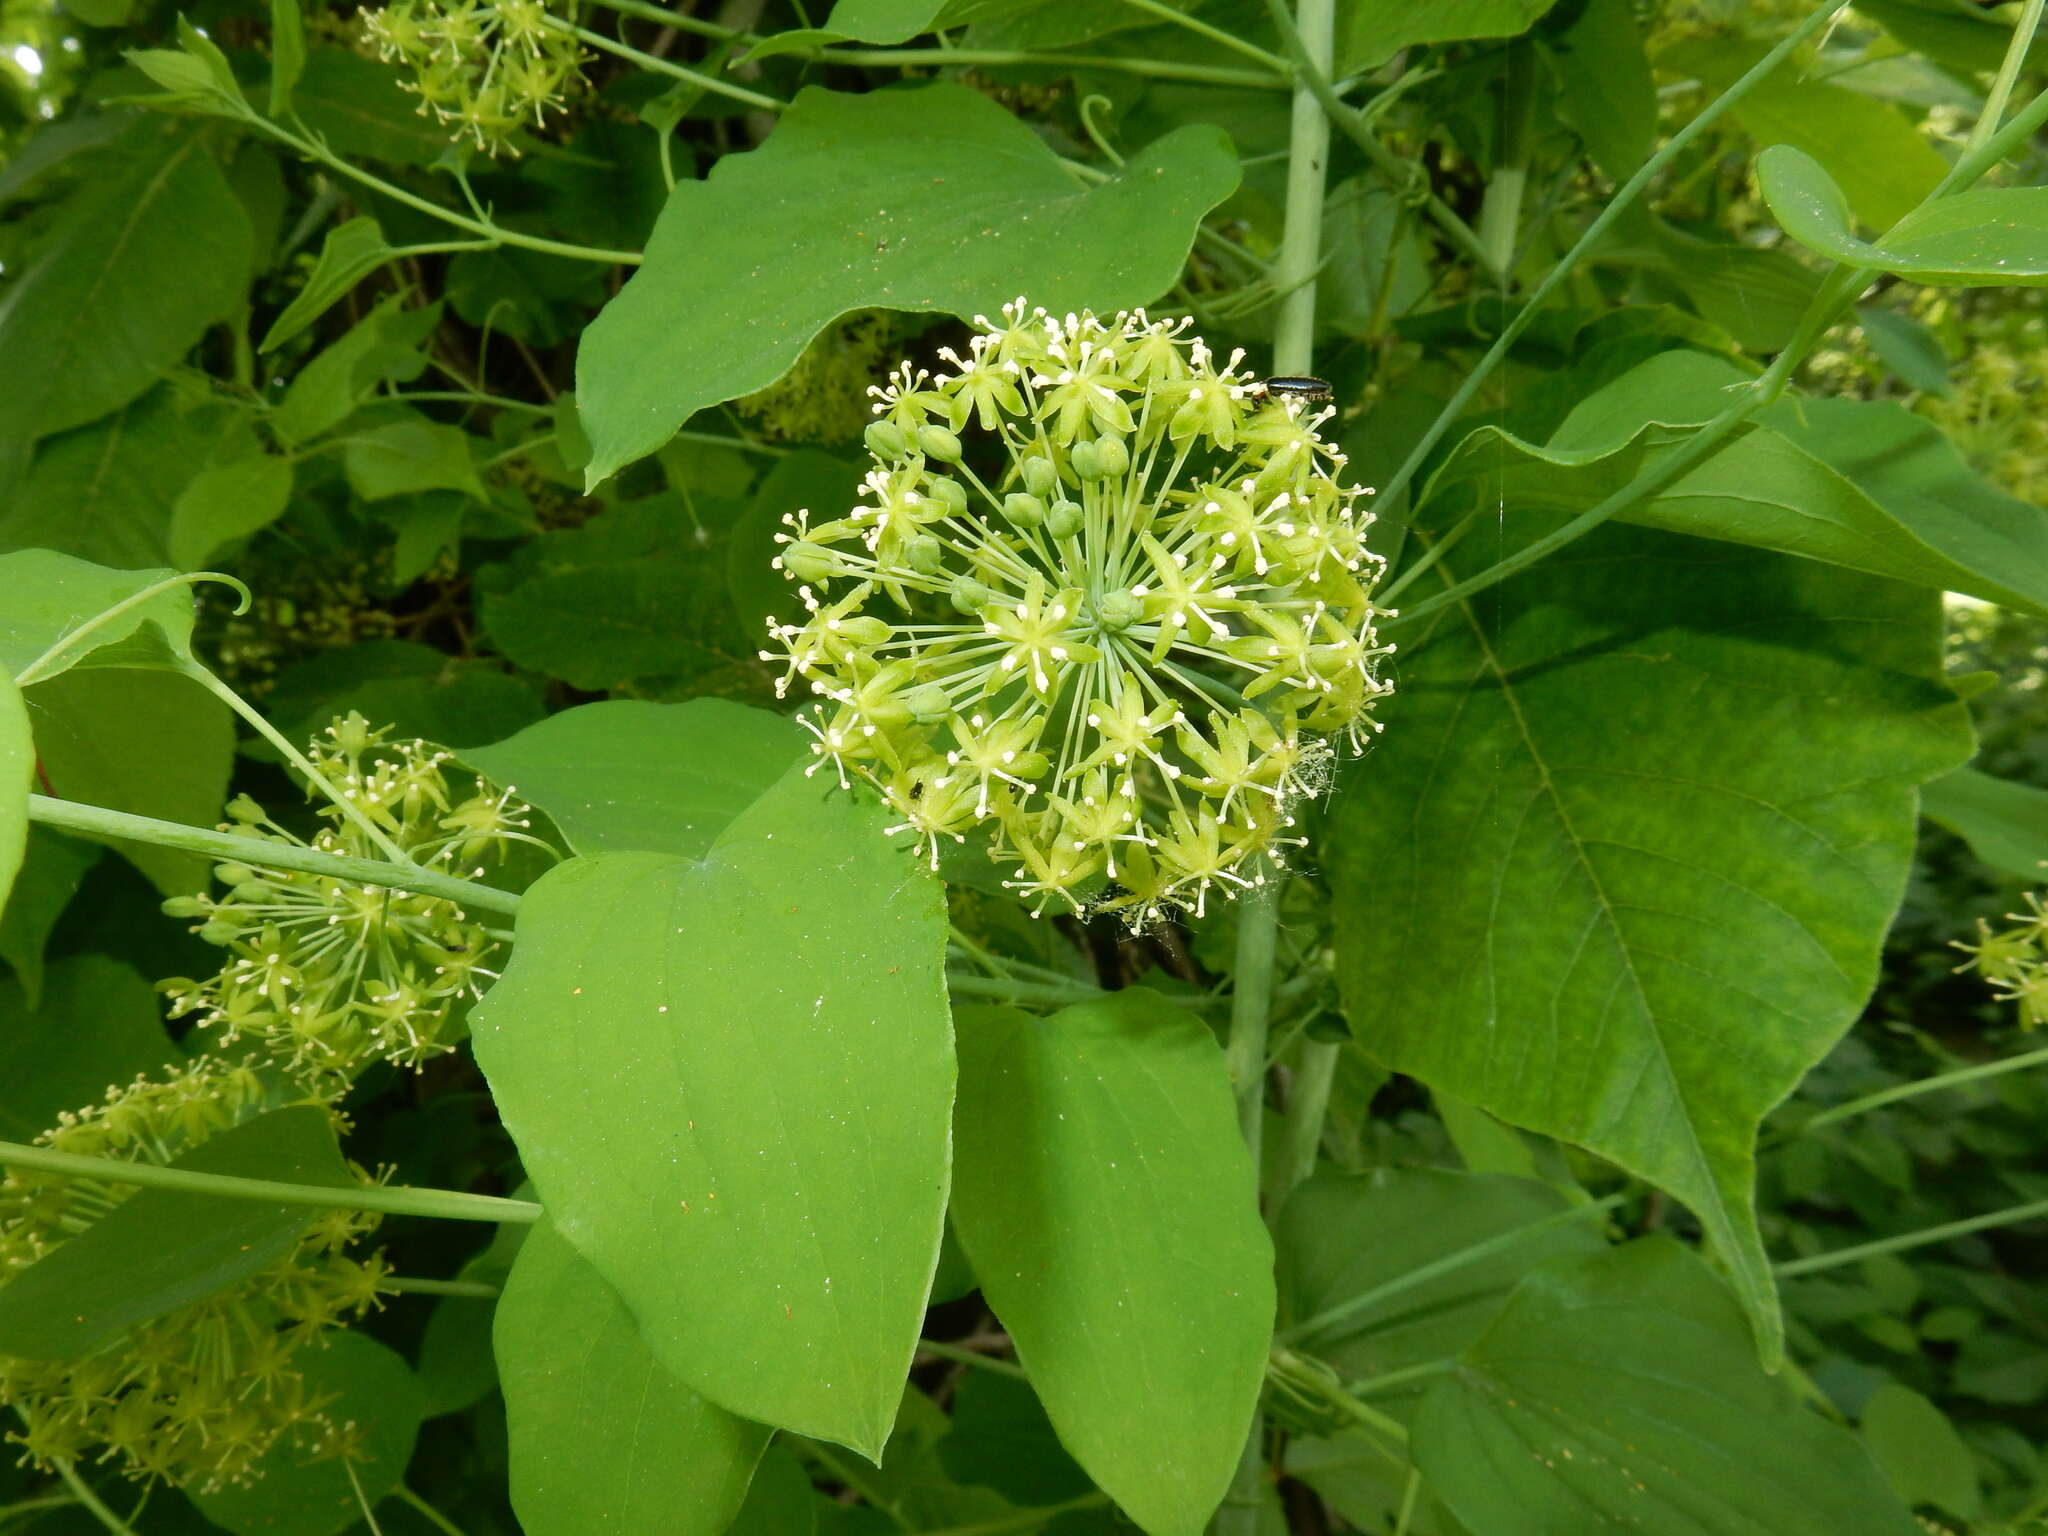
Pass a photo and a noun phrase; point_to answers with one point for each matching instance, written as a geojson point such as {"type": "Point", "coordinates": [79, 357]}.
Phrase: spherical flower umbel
{"type": "Point", "coordinates": [1102, 596]}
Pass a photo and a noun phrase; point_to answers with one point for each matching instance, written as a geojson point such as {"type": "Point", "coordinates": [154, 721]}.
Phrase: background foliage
{"type": "Point", "coordinates": [1622, 1117]}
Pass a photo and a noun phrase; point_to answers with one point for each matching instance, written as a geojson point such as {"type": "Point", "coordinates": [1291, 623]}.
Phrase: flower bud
{"type": "Point", "coordinates": [1064, 520]}
{"type": "Point", "coordinates": [862, 629]}
{"type": "Point", "coordinates": [925, 554]}
{"type": "Point", "coordinates": [886, 440]}
{"type": "Point", "coordinates": [809, 562]}
{"type": "Point", "coordinates": [1025, 511]}
{"type": "Point", "coordinates": [1085, 461]}
{"type": "Point", "coordinates": [1112, 456]}
{"type": "Point", "coordinates": [219, 932]}
{"type": "Point", "coordinates": [244, 809]}
{"type": "Point", "coordinates": [1118, 611]}
{"type": "Point", "coordinates": [938, 443]}
{"type": "Point", "coordinates": [233, 874]}
{"type": "Point", "coordinates": [949, 492]}
{"type": "Point", "coordinates": [970, 596]}
{"type": "Point", "coordinates": [186, 906]}
{"type": "Point", "coordinates": [928, 703]}
{"type": "Point", "coordinates": [1039, 475]}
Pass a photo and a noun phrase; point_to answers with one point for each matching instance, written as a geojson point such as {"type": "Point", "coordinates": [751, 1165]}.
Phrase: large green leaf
{"type": "Point", "coordinates": [1862, 484]}
{"type": "Point", "coordinates": [926, 199]}
{"type": "Point", "coordinates": [1343, 1236]}
{"type": "Point", "coordinates": [603, 1436]}
{"type": "Point", "coordinates": [2005, 824]}
{"type": "Point", "coordinates": [98, 1024]}
{"type": "Point", "coordinates": [356, 1380]}
{"type": "Point", "coordinates": [93, 320]}
{"type": "Point", "coordinates": [108, 491]}
{"type": "Point", "coordinates": [52, 608]}
{"type": "Point", "coordinates": [1616, 1393]}
{"type": "Point", "coordinates": [1595, 878]}
{"type": "Point", "coordinates": [1993, 236]}
{"type": "Point", "coordinates": [1883, 163]}
{"type": "Point", "coordinates": [161, 1248]}
{"type": "Point", "coordinates": [731, 1079]}
{"type": "Point", "coordinates": [227, 502]}
{"type": "Point", "coordinates": [623, 776]}
{"type": "Point", "coordinates": [17, 769]}
{"type": "Point", "coordinates": [350, 253]}
{"type": "Point", "coordinates": [1370, 34]}
{"type": "Point", "coordinates": [1104, 1193]}
{"type": "Point", "coordinates": [149, 743]}
{"type": "Point", "coordinates": [49, 877]}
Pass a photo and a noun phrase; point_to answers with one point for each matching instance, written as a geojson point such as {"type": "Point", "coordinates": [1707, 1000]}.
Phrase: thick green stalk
{"type": "Point", "coordinates": [451, 1204]}
{"type": "Point", "coordinates": [2008, 72]}
{"type": "Point", "coordinates": [2010, 1216]}
{"type": "Point", "coordinates": [1154, 69]}
{"type": "Point", "coordinates": [96, 821]}
{"type": "Point", "coordinates": [660, 66]}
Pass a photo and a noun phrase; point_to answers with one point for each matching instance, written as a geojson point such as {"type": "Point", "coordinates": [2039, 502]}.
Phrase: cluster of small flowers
{"type": "Point", "coordinates": [1129, 611]}
{"type": "Point", "coordinates": [2015, 960]}
{"type": "Point", "coordinates": [330, 975]}
{"type": "Point", "coordinates": [198, 1395]}
{"type": "Point", "coordinates": [484, 67]}
{"type": "Point", "coordinates": [819, 400]}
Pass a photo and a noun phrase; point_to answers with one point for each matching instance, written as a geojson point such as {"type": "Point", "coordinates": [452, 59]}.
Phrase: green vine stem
{"type": "Point", "coordinates": [2010, 1216]}
{"type": "Point", "coordinates": [392, 1200]}
{"type": "Point", "coordinates": [1955, 1079]}
{"type": "Point", "coordinates": [315, 150]}
{"type": "Point", "coordinates": [975, 1358]}
{"type": "Point", "coordinates": [1155, 69]}
{"type": "Point", "coordinates": [474, 1290]}
{"type": "Point", "coordinates": [426, 1511]}
{"type": "Point", "coordinates": [82, 1492]}
{"type": "Point", "coordinates": [660, 66]}
{"type": "Point", "coordinates": [96, 821]}
{"type": "Point", "coordinates": [2008, 73]}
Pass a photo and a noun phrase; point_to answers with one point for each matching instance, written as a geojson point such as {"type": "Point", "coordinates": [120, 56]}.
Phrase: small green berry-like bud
{"type": "Point", "coordinates": [938, 443]}
{"type": "Point", "coordinates": [233, 874]}
{"type": "Point", "coordinates": [949, 491]}
{"type": "Point", "coordinates": [1064, 520]}
{"type": "Point", "coordinates": [864, 630]}
{"type": "Point", "coordinates": [1112, 455]}
{"type": "Point", "coordinates": [1086, 461]}
{"type": "Point", "coordinates": [1024, 510]}
{"type": "Point", "coordinates": [1039, 475]}
{"type": "Point", "coordinates": [1118, 611]}
{"type": "Point", "coordinates": [925, 554]}
{"type": "Point", "coordinates": [220, 931]}
{"type": "Point", "coordinates": [186, 906]}
{"type": "Point", "coordinates": [886, 440]}
{"type": "Point", "coordinates": [809, 562]}
{"type": "Point", "coordinates": [243, 808]}
{"type": "Point", "coordinates": [928, 703]}
{"type": "Point", "coordinates": [970, 596]}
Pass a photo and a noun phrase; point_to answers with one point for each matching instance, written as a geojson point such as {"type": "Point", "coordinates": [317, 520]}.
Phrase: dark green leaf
{"type": "Point", "coordinates": [1369, 35]}
{"type": "Point", "coordinates": [1617, 1392]}
{"type": "Point", "coordinates": [1344, 1235]}
{"type": "Point", "coordinates": [781, 1501]}
{"type": "Point", "coordinates": [49, 878]}
{"type": "Point", "coordinates": [51, 609]}
{"type": "Point", "coordinates": [145, 742]}
{"type": "Point", "coordinates": [625, 776]}
{"type": "Point", "coordinates": [1908, 348]}
{"type": "Point", "coordinates": [107, 492]}
{"type": "Point", "coordinates": [1862, 484]}
{"type": "Point", "coordinates": [415, 689]}
{"type": "Point", "coordinates": [1964, 38]}
{"type": "Point", "coordinates": [358, 107]}
{"type": "Point", "coordinates": [1110, 1208]}
{"type": "Point", "coordinates": [90, 323]}
{"type": "Point", "coordinates": [1882, 162]}
{"type": "Point", "coordinates": [350, 253]}
{"type": "Point", "coordinates": [160, 1249]}
{"type": "Point", "coordinates": [2005, 824]}
{"type": "Point", "coordinates": [926, 199]}
{"type": "Point", "coordinates": [1605, 91]}
{"type": "Point", "coordinates": [1001, 1439]}
{"type": "Point", "coordinates": [17, 768]}
{"type": "Point", "coordinates": [97, 1026]}
{"type": "Point", "coordinates": [730, 1079]}
{"type": "Point", "coordinates": [604, 1438]}
{"type": "Point", "coordinates": [401, 457]}
{"type": "Point", "coordinates": [360, 1382]}
{"type": "Point", "coordinates": [287, 54]}
{"type": "Point", "coordinates": [1920, 1451]}
{"type": "Point", "coordinates": [536, 297]}
{"type": "Point", "coordinates": [225, 503]}
{"type": "Point", "coordinates": [1683, 900]}
{"type": "Point", "coordinates": [383, 345]}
